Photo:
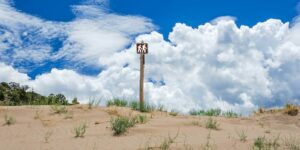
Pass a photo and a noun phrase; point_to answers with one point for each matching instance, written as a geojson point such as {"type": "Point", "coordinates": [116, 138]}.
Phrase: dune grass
{"type": "Point", "coordinates": [211, 124]}
{"type": "Point", "coordinates": [119, 125]}
{"type": "Point", "coordinates": [117, 102]}
{"type": "Point", "coordinates": [134, 105]}
{"type": "Point", "coordinates": [93, 103]}
{"type": "Point", "coordinates": [230, 114]}
{"type": "Point", "coordinates": [209, 112]}
{"type": "Point", "coordinates": [262, 143]}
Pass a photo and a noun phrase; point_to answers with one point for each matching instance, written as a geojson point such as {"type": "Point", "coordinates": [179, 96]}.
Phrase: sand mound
{"type": "Point", "coordinates": [37, 127]}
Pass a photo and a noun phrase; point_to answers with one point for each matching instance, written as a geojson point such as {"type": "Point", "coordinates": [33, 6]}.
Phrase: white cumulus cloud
{"type": "Point", "coordinates": [217, 64]}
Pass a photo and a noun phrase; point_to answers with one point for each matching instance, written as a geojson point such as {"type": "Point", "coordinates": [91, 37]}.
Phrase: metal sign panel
{"type": "Point", "coordinates": [142, 48]}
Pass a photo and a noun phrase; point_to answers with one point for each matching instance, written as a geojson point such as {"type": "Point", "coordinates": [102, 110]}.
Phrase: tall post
{"type": "Point", "coordinates": [142, 63]}
{"type": "Point", "coordinates": [142, 49]}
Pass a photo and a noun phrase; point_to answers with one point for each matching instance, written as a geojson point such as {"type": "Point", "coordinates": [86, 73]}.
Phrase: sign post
{"type": "Point", "coordinates": [142, 49]}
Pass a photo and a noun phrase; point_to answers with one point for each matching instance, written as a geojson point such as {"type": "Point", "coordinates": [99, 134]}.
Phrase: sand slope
{"type": "Point", "coordinates": [29, 131]}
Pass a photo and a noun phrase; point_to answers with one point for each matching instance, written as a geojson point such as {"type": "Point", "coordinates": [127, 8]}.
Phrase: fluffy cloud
{"type": "Point", "coordinates": [9, 74]}
{"type": "Point", "coordinates": [217, 64]}
{"type": "Point", "coordinates": [27, 42]}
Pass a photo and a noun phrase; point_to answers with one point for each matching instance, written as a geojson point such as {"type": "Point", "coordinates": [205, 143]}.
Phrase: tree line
{"type": "Point", "coordinates": [13, 94]}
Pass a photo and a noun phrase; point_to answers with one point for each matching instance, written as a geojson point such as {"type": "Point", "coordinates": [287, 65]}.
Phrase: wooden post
{"type": "Point", "coordinates": [142, 63]}
{"type": "Point", "coordinates": [142, 49]}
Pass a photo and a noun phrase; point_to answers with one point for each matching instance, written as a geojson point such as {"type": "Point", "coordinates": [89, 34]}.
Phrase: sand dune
{"type": "Point", "coordinates": [37, 124]}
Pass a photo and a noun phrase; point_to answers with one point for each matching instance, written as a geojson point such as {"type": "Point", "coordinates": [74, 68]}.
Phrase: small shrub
{"type": "Point", "coordinates": [291, 110]}
{"type": "Point", "coordinates": [230, 114]}
{"type": "Point", "coordinates": [119, 125]}
{"type": "Point", "coordinates": [173, 113]}
{"type": "Point", "coordinates": [242, 136]}
{"type": "Point", "coordinates": [58, 109]}
{"type": "Point", "coordinates": [9, 120]}
{"type": "Point", "coordinates": [259, 143]}
{"type": "Point", "coordinates": [261, 110]}
{"type": "Point", "coordinates": [211, 124]}
{"type": "Point", "coordinates": [80, 130]}
{"type": "Point", "coordinates": [75, 101]}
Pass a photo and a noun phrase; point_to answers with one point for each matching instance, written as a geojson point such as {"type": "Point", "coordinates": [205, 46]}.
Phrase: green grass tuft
{"type": "Point", "coordinates": [211, 124]}
{"type": "Point", "coordinates": [230, 114]}
{"type": "Point", "coordinates": [117, 102]}
{"type": "Point", "coordinates": [119, 125]}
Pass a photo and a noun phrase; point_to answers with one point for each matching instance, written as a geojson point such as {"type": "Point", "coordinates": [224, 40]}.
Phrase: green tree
{"type": "Point", "coordinates": [75, 101]}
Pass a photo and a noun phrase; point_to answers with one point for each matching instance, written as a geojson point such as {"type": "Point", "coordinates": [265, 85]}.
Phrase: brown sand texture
{"type": "Point", "coordinates": [37, 128]}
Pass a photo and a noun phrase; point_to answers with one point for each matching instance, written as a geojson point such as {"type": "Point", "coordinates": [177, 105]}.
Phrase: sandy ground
{"type": "Point", "coordinates": [30, 130]}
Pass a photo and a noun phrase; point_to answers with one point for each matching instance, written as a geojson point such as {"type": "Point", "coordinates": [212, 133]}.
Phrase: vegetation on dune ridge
{"type": "Point", "coordinates": [12, 94]}
{"type": "Point", "coordinates": [134, 105]}
{"type": "Point", "coordinates": [289, 109]}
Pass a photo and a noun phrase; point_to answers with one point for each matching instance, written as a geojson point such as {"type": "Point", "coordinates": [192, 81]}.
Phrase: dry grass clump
{"type": "Point", "coordinates": [208, 145]}
{"type": "Point", "coordinates": [196, 123]}
{"type": "Point", "coordinates": [242, 135]}
{"type": "Point", "coordinates": [80, 130]}
{"type": "Point", "coordinates": [47, 136]}
{"type": "Point", "coordinates": [173, 113]}
{"type": "Point", "coordinates": [168, 141]}
{"type": "Point", "coordinates": [37, 114]}
{"type": "Point", "coordinates": [59, 109]}
{"type": "Point", "coordinates": [292, 143]}
{"type": "Point", "coordinates": [9, 120]}
{"type": "Point", "coordinates": [291, 109]}
{"type": "Point", "coordinates": [69, 115]}
{"type": "Point", "coordinates": [112, 111]}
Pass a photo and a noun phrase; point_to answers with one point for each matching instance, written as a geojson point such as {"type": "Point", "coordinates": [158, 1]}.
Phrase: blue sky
{"type": "Point", "coordinates": [198, 56]}
{"type": "Point", "coordinates": [165, 13]}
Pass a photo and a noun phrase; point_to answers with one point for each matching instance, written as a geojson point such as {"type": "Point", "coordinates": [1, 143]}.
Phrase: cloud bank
{"type": "Point", "coordinates": [217, 64]}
